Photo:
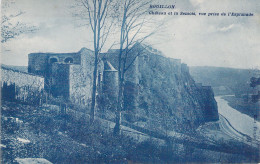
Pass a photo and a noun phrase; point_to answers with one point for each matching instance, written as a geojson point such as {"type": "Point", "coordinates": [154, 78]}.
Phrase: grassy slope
{"type": "Point", "coordinates": [70, 141]}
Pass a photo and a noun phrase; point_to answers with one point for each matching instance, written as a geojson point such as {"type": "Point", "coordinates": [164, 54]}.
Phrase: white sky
{"type": "Point", "coordinates": [197, 40]}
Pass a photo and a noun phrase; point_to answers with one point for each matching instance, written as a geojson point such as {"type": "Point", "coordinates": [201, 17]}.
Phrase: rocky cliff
{"type": "Point", "coordinates": [160, 91]}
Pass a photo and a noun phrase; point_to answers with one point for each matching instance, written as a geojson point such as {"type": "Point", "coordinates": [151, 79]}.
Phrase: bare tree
{"type": "Point", "coordinates": [10, 25]}
{"type": "Point", "coordinates": [98, 19]}
{"type": "Point", "coordinates": [133, 24]}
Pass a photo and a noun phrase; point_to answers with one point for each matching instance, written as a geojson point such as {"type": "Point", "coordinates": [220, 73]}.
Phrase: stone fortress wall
{"type": "Point", "coordinates": [18, 85]}
{"type": "Point", "coordinates": [40, 63]}
{"type": "Point", "coordinates": [155, 86]}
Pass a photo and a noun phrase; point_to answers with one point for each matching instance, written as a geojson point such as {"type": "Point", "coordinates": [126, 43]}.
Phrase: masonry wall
{"type": "Point", "coordinates": [80, 85]}
{"type": "Point", "coordinates": [60, 82]}
{"type": "Point", "coordinates": [40, 63]}
{"type": "Point", "coordinates": [81, 78]}
{"type": "Point", "coordinates": [26, 87]}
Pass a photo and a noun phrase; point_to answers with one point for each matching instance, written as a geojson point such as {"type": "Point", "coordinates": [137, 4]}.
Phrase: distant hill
{"type": "Point", "coordinates": [224, 80]}
{"type": "Point", "coordinates": [17, 68]}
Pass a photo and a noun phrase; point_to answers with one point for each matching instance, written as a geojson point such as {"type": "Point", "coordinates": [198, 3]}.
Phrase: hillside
{"type": "Point", "coordinates": [17, 68]}
{"type": "Point", "coordinates": [224, 81]}
{"type": "Point", "coordinates": [42, 132]}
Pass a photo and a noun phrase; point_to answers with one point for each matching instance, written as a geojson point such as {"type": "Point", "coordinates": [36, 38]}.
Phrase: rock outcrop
{"type": "Point", "coordinates": [161, 91]}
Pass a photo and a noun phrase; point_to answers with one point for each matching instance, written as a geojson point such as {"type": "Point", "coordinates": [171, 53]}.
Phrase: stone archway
{"type": "Point", "coordinates": [53, 60]}
{"type": "Point", "coordinates": [68, 60]}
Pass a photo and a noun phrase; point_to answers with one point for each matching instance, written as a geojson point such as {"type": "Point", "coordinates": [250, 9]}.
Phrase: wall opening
{"type": "Point", "coordinates": [8, 91]}
{"type": "Point", "coordinates": [53, 60]}
{"type": "Point", "coordinates": [68, 60]}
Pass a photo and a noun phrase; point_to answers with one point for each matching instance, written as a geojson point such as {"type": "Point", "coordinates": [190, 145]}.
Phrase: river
{"type": "Point", "coordinates": [241, 122]}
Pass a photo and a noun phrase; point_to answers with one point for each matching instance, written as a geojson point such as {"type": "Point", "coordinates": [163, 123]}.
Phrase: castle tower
{"type": "Point", "coordinates": [110, 79]}
{"type": "Point", "coordinates": [110, 85]}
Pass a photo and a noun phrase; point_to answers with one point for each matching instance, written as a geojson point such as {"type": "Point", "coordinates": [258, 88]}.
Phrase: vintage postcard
{"type": "Point", "coordinates": [130, 81]}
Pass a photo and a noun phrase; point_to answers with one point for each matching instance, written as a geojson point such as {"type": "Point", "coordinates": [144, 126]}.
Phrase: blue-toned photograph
{"type": "Point", "coordinates": [130, 81]}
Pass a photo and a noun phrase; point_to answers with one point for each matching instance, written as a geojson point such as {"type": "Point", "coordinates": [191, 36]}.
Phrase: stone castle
{"type": "Point", "coordinates": [154, 84]}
